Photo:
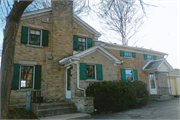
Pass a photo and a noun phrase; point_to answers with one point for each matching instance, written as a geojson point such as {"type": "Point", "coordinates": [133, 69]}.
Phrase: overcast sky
{"type": "Point", "coordinates": [160, 31]}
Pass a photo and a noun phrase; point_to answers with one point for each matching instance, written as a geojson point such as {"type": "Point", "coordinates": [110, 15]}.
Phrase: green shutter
{"type": "Point", "coordinates": [89, 42]}
{"type": "Point", "coordinates": [133, 54]}
{"type": "Point", "coordinates": [75, 42]}
{"type": "Point", "coordinates": [145, 56]}
{"type": "Point", "coordinates": [99, 72]}
{"type": "Point", "coordinates": [83, 71]}
{"type": "Point", "coordinates": [154, 57]}
{"type": "Point", "coordinates": [121, 53]}
{"type": "Point", "coordinates": [24, 35]}
{"type": "Point", "coordinates": [15, 81]}
{"type": "Point", "coordinates": [45, 35]}
{"type": "Point", "coordinates": [37, 84]}
{"type": "Point", "coordinates": [123, 74]}
{"type": "Point", "coordinates": [135, 75]}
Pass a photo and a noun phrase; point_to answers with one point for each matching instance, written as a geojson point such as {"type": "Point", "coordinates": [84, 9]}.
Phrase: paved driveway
{"type": "Point", "coordinates": [169, 109]}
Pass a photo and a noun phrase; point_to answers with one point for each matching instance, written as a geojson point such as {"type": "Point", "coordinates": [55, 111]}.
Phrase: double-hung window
{"type": "Point", "coordinates": [81, 43]}
{"type": "Point", "coordinates": [127, 54]}
{"type": "Point", "coordinates": [129, 74]}
{"type": "Point", "coordinates": [149, 57]}
{"type": "Point", "coordinates": [26, 77]}
{"type": "Point", "coordinates": [91, 71]}
{"type": "Point", "coordinates": [34, 37]}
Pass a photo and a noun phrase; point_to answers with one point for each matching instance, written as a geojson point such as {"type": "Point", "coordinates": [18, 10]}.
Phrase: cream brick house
{"type": "Point", "coordinates": [58, 53]}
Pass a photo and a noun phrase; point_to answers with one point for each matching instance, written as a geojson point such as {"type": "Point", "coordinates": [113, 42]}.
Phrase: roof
{"type": "Point", "coordinates": [160, 65]}
{"type": "Point", "coordinates": [130, 49]}
{"type": "Point", "coordinates": [98, 48]}
{"type": "Point", "coordinates": [175, 71]}
{"type": "Point", "coordinates": [49, 10]}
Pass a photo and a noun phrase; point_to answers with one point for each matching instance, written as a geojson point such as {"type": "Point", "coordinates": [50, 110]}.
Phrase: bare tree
{"type": "Point", "coordinates": [121, 17]}
{"type": "Point", "coordinates": [12, 11]}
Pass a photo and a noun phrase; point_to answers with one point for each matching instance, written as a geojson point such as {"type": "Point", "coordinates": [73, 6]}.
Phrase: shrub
{"type": "Point", "coordinates": [118, 96]}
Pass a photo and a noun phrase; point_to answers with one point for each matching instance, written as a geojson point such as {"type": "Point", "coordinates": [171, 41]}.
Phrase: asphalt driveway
{"type": "Point", "coordinates": [169, 109]}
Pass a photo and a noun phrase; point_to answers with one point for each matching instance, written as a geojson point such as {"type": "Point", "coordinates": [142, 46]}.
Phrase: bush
{"type": "Point", "coordinates": [118, 96]}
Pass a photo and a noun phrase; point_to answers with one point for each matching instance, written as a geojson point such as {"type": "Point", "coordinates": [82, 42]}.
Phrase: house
{"type": "Point", "coordinates": [173, 81]}
{"type": "Point", "coordinates": [59, 54]}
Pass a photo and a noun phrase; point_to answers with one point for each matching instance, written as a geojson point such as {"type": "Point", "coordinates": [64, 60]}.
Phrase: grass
{"type": "Point", "coordinates": [21, 113]}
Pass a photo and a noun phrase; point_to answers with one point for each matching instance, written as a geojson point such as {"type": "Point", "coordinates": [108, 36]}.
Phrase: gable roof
{"type": "Point", "coordinates": [131, 49]}
{"type": "Point", "coordinates": [160, 65]}
{"type": "Point", "coordinates": [49, 10]}
{"type": "Point", "coordinates": [100, 49]}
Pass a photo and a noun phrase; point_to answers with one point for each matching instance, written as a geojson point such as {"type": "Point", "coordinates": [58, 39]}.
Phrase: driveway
{"type": "Point", "coordinates": [169, 109]}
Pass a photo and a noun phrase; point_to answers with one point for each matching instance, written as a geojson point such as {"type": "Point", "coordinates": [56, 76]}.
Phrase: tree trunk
{"type": "Point", "coordinates": [12, 25]}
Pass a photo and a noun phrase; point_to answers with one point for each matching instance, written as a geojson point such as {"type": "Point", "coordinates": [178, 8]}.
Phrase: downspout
{"type": "Point", "coordinates": [78, 77]}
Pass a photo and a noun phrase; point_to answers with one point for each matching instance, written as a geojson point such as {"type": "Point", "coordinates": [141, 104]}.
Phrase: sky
{"type": "Point", "coordinates": [160, 32]}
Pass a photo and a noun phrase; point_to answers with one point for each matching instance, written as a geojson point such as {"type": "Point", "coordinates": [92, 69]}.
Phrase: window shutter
{"type": "Point", "coordinates": [89, 42]}
{"type": "Point", "coordinates": [83, 71]}
{"type": "Point", "coordinates": [15, 81]}
{"type": "Point", "coordinates": [45, 35]}
{"type": "Point", "coordinates": [145, 56]}
{"type": "Point", "coordinates": [135, 75]}
{"type": "Point", "coordinates": [75, 42]}
{"type": "Point", "coordinates": [154, 57]}
{"type": "Point", "coordinates": [99, 72]}
{"type": "Point", "coordinates": [123, 74]}
{"type": "Point", "coordinates": [24, 35]}
{"type": "Point", "coordinates": [121, 53]}
{"type": "Point", "coordinates": [37, 83]}
{"type": "Point", "coordinates": [133, 54]}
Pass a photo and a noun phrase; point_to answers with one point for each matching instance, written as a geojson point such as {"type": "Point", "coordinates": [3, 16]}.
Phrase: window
{"type": "Point", "coordinates": [91, 71]}
{"type": "Point", "coordinates": [80, 43]}
{"type": "Point", "coordinates": [149, 57]}
{"type": "Point", "coordinates": [128, 54]}
{"type": "Point", "coordinates": [34, 37]}
{"type": "Point", "coordinates": [151, 76]}
{"type": "Point", "coordinates": [129, 74]}
{"type": "Point", "coordinates": [26, 77]}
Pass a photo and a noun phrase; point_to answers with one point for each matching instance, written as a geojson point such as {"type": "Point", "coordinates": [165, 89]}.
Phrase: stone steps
{"type": "Point", "coordinates": [51, 109]}
{"type": "Point", "coordinates": [160, 97]}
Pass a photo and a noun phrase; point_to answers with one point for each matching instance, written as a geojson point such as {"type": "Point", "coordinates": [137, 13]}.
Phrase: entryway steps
{"type": "Point", "coordinates": [160, 97]}
{"type": "Point", "coordinates": [51, 109]}
{"type": "Point", "coordinates": [68, 116]}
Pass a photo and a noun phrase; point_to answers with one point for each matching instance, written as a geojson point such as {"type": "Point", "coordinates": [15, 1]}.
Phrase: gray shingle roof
{"type": "Point", "coordinates": [153, 64]}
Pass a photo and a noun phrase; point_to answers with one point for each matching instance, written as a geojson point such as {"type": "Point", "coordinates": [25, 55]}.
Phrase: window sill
{"type": "Point", "coordinates": [24, 90]}
{"type": "Point", "coordinates": [92, 80]}
{"type": "Point", "coordinates": [34, 46]}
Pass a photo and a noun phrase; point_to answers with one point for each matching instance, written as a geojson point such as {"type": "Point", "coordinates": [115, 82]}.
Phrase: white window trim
{"type": "Point", "coordinates": [20, 78]}
{"type": "Point", "coordinates": [86, 47]}
{"type": "Point", "coordinates": [40, 38]}
{"type": "Point", "coordinates": [132, 73]}
{"type": "Point", "coordinates": [95, 79]}
{"type": "Point", "coordinates": [127, 56]}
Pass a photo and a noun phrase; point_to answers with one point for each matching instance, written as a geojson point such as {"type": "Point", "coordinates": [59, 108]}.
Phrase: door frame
{"type": "Point", "coordinates": [68, 92]}
{"type": "Point", "coordinates": [152, 90]}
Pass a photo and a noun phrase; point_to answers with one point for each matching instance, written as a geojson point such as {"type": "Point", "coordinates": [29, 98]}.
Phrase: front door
{"type": "Point", "coordinates": [152, 84]}
{"type": "Point", "coordinates": [68, 83]}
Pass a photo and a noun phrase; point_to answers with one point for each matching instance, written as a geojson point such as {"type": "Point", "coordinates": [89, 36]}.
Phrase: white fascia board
{"type": "Point", "coordinates": [105, 55]}
{"type": "Point", "coordinates": [36, 13]}
{"type": "Point", "coordinates": [169, 65]}
{"type": "Point", "coordinates": [146, 65]}
{"type": "Point", "coordinates": [85, 25]}
{"type": "Point", "coordinates": [129, 48]}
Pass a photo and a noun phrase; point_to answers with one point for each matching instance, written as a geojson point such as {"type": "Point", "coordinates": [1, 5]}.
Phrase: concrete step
{"type": "Point", "coordinates": [56, 111]}
{"type": "Point", "coordinates": [55, 108]}
{"type": "Point", "coordinates": [68, 116]}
